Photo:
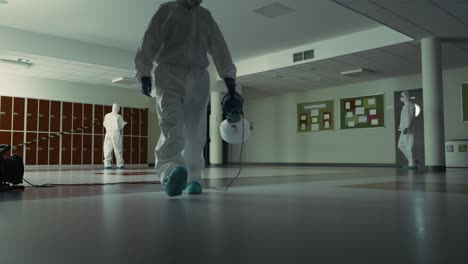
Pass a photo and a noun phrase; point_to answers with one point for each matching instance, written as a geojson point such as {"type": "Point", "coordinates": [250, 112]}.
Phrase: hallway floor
{"type": "Point", "coordinates": [270, 215]}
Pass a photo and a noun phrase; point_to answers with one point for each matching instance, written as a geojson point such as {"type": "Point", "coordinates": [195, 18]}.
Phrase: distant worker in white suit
{"type": "Point", "coordinates": [114, 123]}
{"type": "Point", "coordinates": [406, 141]}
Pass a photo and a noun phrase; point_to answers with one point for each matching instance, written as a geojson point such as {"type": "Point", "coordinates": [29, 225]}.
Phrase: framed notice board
{"type": "Point", "coordinates": [465, 102]}
{"type": "Point", "coordinates": [315, 116]}
{"type": "Point", "coordinates": [362, 112]}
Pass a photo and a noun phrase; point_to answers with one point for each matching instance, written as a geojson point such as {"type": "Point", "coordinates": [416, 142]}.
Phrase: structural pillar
{"type": "Point", "coordinates": [216, 117]}
{"type": "Point", "coordinates": [433, 98]}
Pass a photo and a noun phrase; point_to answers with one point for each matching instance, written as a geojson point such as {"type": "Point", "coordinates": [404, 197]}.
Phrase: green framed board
{"type": "Point", "coordinates": [465, 102]}
{"type": "Point", "coordinates": [362, 112]}
{"type": "Point", "coordinates": [315, 116]}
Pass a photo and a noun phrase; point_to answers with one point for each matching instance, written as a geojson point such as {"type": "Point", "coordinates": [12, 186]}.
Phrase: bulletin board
{"type": "Point", "coordinates": [465, 102]}
{"type": "Point", "coordinates": [315, 116]}
{"type": "Point", "coordinates": [362, 112]}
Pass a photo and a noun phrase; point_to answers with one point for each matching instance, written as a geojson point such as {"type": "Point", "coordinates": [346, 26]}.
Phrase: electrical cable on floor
{"type": "Point", "coordinates": [51, 185]}
{"type": "Point", "coordinates": [240, 165]}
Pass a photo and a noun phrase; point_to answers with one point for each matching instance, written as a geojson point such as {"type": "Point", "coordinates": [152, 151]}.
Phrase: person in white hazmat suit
{"type": "Point", "coordinates": [406, 140]}
{"type": "Point", "coordinates": [113, 123]}
{"type": "Point", "coordinates": [178, 38]}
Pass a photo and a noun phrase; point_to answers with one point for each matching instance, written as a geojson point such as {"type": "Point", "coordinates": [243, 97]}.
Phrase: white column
{"type": "Point", "coordinates": [434, 135]}
{"type": "Point", "coordinates": [216, 144]}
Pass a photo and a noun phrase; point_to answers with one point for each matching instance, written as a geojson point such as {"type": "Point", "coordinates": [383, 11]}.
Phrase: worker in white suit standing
{"type": "Point", "coordinates": [406, 141]}
{"type": "Point", "coordinates": [114, 123]}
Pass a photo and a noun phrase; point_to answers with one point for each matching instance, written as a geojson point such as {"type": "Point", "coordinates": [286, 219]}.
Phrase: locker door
{"type": "Point", "coordinates": [31, 114]}
{"type": "Point", "coordinates": [66, 149]}
{"type": "Point", "coordinates": [127, 142]}
{"type": "Point", "coordinates": [87, 149]}
{"type": "Point", "coordinates": [44, 115]}
{"type": "Point", "coordinates": [98, 118]}
{"type": "Point", "coordinates": [143, 150]}
{"type": "Point", "coordinates": [77, 117]}
{"type": "Point", "coordinates": [127, 117]}
{"type": "Point", "coordinates": [43, 149]}
{"type": "Point", "coordinates": [54, 150]}
{"type": "Point", "coordinates": [6, 107]}
{"type": "Point", "coordinates": [66, 116]}
{"type": "Point", "coordinates": [18, 138]}
{"type": "Point", "coordinates": [135, 122]}
{"type": "Point", "coordinates": [31, 149]}
{"type": "Point", "coordinates": [88, 120]}
{"type": "Point", "coordinates": [107, 109]}
{"type": "Point", "coordinates": [54, 116]}
{"type": "Point", "coordinates": [18, 114]}
{"type": "Point", "coordinates": [97, 148]}
{"type": "Point", "coordinates": [135, 158]}
{"type": "Point", "coordinates": [5, 138]}
{"type": "Point", "coordinates": [144, 122]}
{"type": "Point", "coordinates": [76, 149]}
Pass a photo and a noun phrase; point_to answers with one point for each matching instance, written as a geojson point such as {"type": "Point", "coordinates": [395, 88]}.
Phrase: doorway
{"type": "Point", "coordinates": [418, 150]}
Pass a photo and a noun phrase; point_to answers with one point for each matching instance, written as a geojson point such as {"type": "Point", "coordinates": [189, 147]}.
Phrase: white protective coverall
{"type": "Point", "coordinates": [178, 38]}
{"type": "Point", "coordinates": [114, 123]}
{"type": "Point", "coordinates": [406, 141]}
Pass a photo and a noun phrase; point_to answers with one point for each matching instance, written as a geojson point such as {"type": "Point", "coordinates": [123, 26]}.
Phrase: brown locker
{"type": "Point", "coordinates": [18, 114]}
{"type": "Point", "coordinates": [144, 122]}
{"type": "Point", "coordinates": [77, 146]}
{"type": "Point", "coordinates": [66, 149]}
{"type": "Point", "coordinates": [77, 117]}
{"type": "Point", "coordinates": [98, 119]}
{"type": "Point", "coordinates": [6, 107]}
{"type": "Point", "coordinates": [135, 122]}
{"type": "Point", "coordinates": [54, 150]}
{"type": "Point", "coordinates": [107, 109]}
{"type": "Point", "coordinates": [31, 114]}
{"type": "Point", "coordinates": [87, 149]}
{"type": "Point", "coordinates": [43, 149]}
{"type": "Point", "coordinates": [97, 148]}
{"type": "Point", "coordinates": [5, 138]}
{"type": "Point", "coordinates": [66, 116]}
{"type": "Point", "coordinates": [135, 158]}
{"type": "Point", "coordinates": [31, 149]}
{"type": "Point", "coordinates": [127, 143]}
{"type": "Point", "coordinates": [54, 116]}
{"type": "Point", "coordinates": [88, 119]}
{"type": "Point", "coordinates": [18, 138]}
{"type": "Point", "coordinates": [143, 150]}
{"type": "Point", "coordinates": [44, 106]}
{"type": "Point", "coordinates": [127, 117]}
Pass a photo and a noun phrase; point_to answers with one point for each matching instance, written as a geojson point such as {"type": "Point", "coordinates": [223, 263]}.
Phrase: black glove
{"type": "Point", "coordinates": [405, 131]}
{"type": "Point", "coordinates": [230, 85]}
{"type": "Point", "coordinates": [146, 86]}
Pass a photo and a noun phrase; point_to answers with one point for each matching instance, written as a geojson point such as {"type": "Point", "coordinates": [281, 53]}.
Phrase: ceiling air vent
{"type": "Point", "coordinates": [274, 10]}
{"type": "Point", "coordinates": [304, 55]}
{"type": "Point", "coordinates": [298, 56]}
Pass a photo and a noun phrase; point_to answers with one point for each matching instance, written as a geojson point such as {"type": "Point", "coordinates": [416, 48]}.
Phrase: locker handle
{"type": "Point", "coordinates": [75, 117]}
{"type": "Point", "coordinates": [39, 148]}
{"type": "Point", "coordinates": [74, 149]}
{"type": "Point", "coordinates": [64, 116]}
{"type": "Point", "coordinates": [41, 115]}
{"type": "Point", "coordinates": [85, 149]}
{"type": "Point", "coordinates": [52, 116]}
{"type": "Point", "coordinates": [15, 113]}
{"type": "Point", "coordinates": [29, 114]}
{"type": "Point", "coordinates": [51, 149]}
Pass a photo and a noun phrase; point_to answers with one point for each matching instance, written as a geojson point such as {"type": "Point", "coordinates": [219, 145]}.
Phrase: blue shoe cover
{"type": "Point", "coordinates": [194, 188]}
{"type": "Point", "coordinates": [176, 182]}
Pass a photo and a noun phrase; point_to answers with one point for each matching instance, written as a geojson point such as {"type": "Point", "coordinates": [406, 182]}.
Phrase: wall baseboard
{"type": "Point", "coordinates": [370, 165]}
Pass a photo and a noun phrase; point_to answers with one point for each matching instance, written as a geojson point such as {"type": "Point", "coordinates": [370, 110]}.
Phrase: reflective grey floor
{"type": "Point", "coordinates": [271, 215]}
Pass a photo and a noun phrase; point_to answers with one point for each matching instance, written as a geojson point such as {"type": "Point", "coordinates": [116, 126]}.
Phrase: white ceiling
{"type": "Point", "coordinates": [53, 68]}
{"type": "Point", "coordinates": [416, 18]}
{"type": "Point", "coordinates": [121, 23]}
{"type": "Point", "coordinates": [387, 62]}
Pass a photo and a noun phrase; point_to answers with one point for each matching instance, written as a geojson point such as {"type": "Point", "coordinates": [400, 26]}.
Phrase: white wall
{"type": "Point", "coordinates": [30, 87]}
{"type": "Point", "coordinates": [275, 138]}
